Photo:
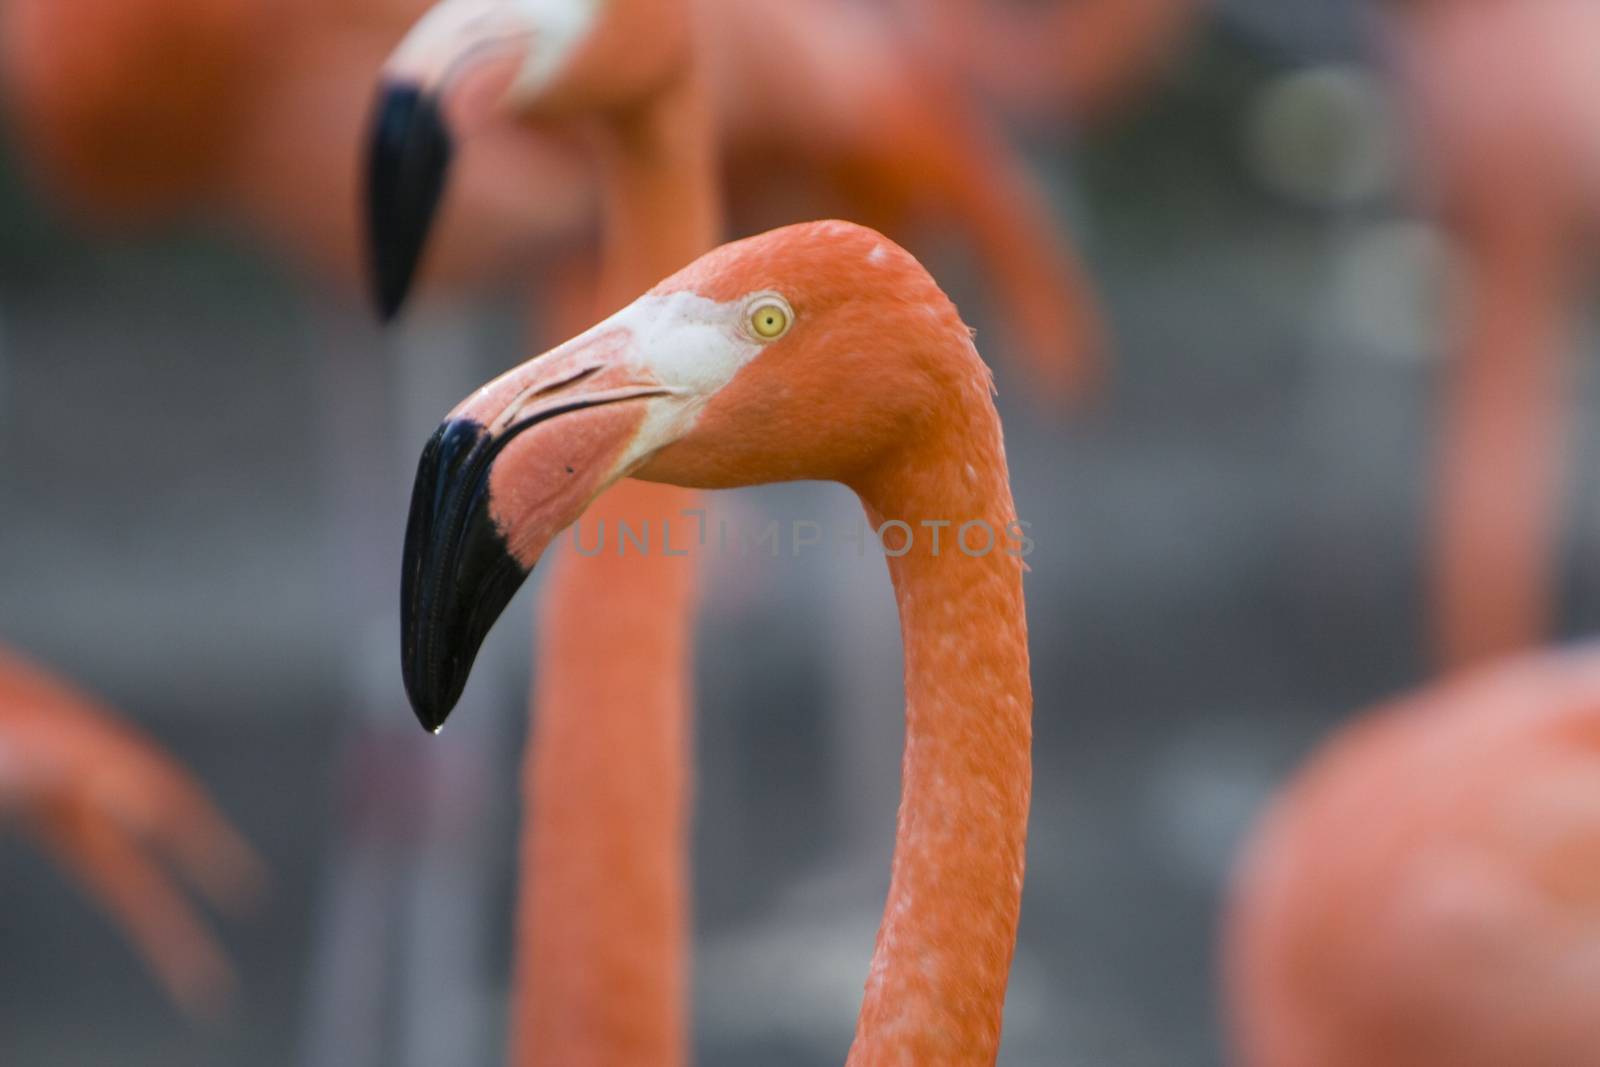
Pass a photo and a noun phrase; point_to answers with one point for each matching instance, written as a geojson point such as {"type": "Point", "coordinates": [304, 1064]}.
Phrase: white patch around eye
{"type": "Point", "coordinates": [689, 344]}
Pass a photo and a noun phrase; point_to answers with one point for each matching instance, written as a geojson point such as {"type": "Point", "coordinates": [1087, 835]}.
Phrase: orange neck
{"type": "Point", "coordinates": [602, 961]}
{"type": "Point", "coordinates": [938, 980]}
{"type": "Point", "coordinates": [663, 206]}
{"type": "Point", "coordinates": [1496, 517]}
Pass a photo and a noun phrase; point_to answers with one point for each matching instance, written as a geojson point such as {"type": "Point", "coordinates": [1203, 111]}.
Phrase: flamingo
{"type": "Point", "coordinates": [1424, 894]}
{"type": "Point", "coordinates": [817, 351]}
{"type": "Point", "coordinates": [1503, 100]}
{"type": "Point", "coordinates": [605, 827]}
{"type": "Point", "coordinates": [108, 803]}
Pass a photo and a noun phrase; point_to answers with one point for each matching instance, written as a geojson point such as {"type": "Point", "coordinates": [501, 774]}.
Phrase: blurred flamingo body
{"type": "Point", "coordinates": [817, 351]}
{"type": "Point", "coordinates": [107, 802]}
{"type": "Point", "coordinates": [138, 113]}
{"type": "Point", "coordinates": [1426, 893]}
{"type": "Point", "coordinates": [1503, 97]}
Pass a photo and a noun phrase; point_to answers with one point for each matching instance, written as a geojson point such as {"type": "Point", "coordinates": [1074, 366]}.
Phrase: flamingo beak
{"type": "Point", "coordinates": [505, 473]}
{"type": "Point", "coordinates": [458, 573]}
{"type": "Point", "coordinates": [449, 74]}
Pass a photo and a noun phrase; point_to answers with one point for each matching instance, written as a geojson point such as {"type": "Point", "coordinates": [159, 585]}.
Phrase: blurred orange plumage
{"type": "Point", "coordinates": [244, 114]}
{"type": "Point", "coordinates": [1426, 893]}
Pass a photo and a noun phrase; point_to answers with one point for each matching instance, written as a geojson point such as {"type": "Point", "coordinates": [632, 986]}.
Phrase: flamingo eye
{"type": "Point", "coordinates": [770, 318]}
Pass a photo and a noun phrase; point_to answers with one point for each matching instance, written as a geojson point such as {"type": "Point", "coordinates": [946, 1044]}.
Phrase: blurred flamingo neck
{"type": "Point", "coordinates": [663, 202]}
{"type": "Point", "coordinates": [937, 986]}
{"type": "Point", "coordinates": [602, 968]}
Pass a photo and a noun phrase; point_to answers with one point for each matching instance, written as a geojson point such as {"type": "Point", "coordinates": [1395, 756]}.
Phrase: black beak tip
{"type": "Point", "coordinates": [434, 679]}
{"type": "Point", "coordinates": [408, 162]}
{"type": "Point", "coordinates": [458, 574]}
{"type": "Point", "coordinates": [430, 712]}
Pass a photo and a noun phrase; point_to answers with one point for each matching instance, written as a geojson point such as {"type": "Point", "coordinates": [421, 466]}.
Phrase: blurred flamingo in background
{"type": "Point", "coordinates": [137, 113]}
{"type": "Point", "coordinates": [603, 917]}
{"type": "Point", "coordinates": [111, 806]}
{"type": "Point", "coordinates": [819, 351]}
{"type": "Point", "coordinates": [1078, 61]}
{"type": "Point", "coordinates": [1505, 101]}
{"type": "Point", "coordinates": [1426, 892]}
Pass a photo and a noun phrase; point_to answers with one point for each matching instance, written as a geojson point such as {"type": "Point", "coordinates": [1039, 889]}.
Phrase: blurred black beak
{"type": "Point", "coordinates": [409, 159]}
{"type": "Point", "coordinates": [458, 576]}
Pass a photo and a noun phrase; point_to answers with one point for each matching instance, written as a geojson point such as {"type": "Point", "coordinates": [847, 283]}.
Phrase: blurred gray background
{"type": "Point", "coordinates": [203, 475]}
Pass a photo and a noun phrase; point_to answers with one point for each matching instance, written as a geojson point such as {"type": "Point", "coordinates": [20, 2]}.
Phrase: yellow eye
{"type": "Point", "coordinates": [770, 320]}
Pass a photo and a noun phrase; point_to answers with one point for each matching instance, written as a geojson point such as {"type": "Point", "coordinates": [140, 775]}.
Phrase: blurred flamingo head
{"type": "Point", "coordinates": [469, 62]}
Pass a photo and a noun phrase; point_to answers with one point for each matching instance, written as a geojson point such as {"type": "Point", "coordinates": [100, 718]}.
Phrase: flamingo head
{"type": "Point", "coordinates": [815, 352]}
{"type": "Point", "coordinates": [467, 61]}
